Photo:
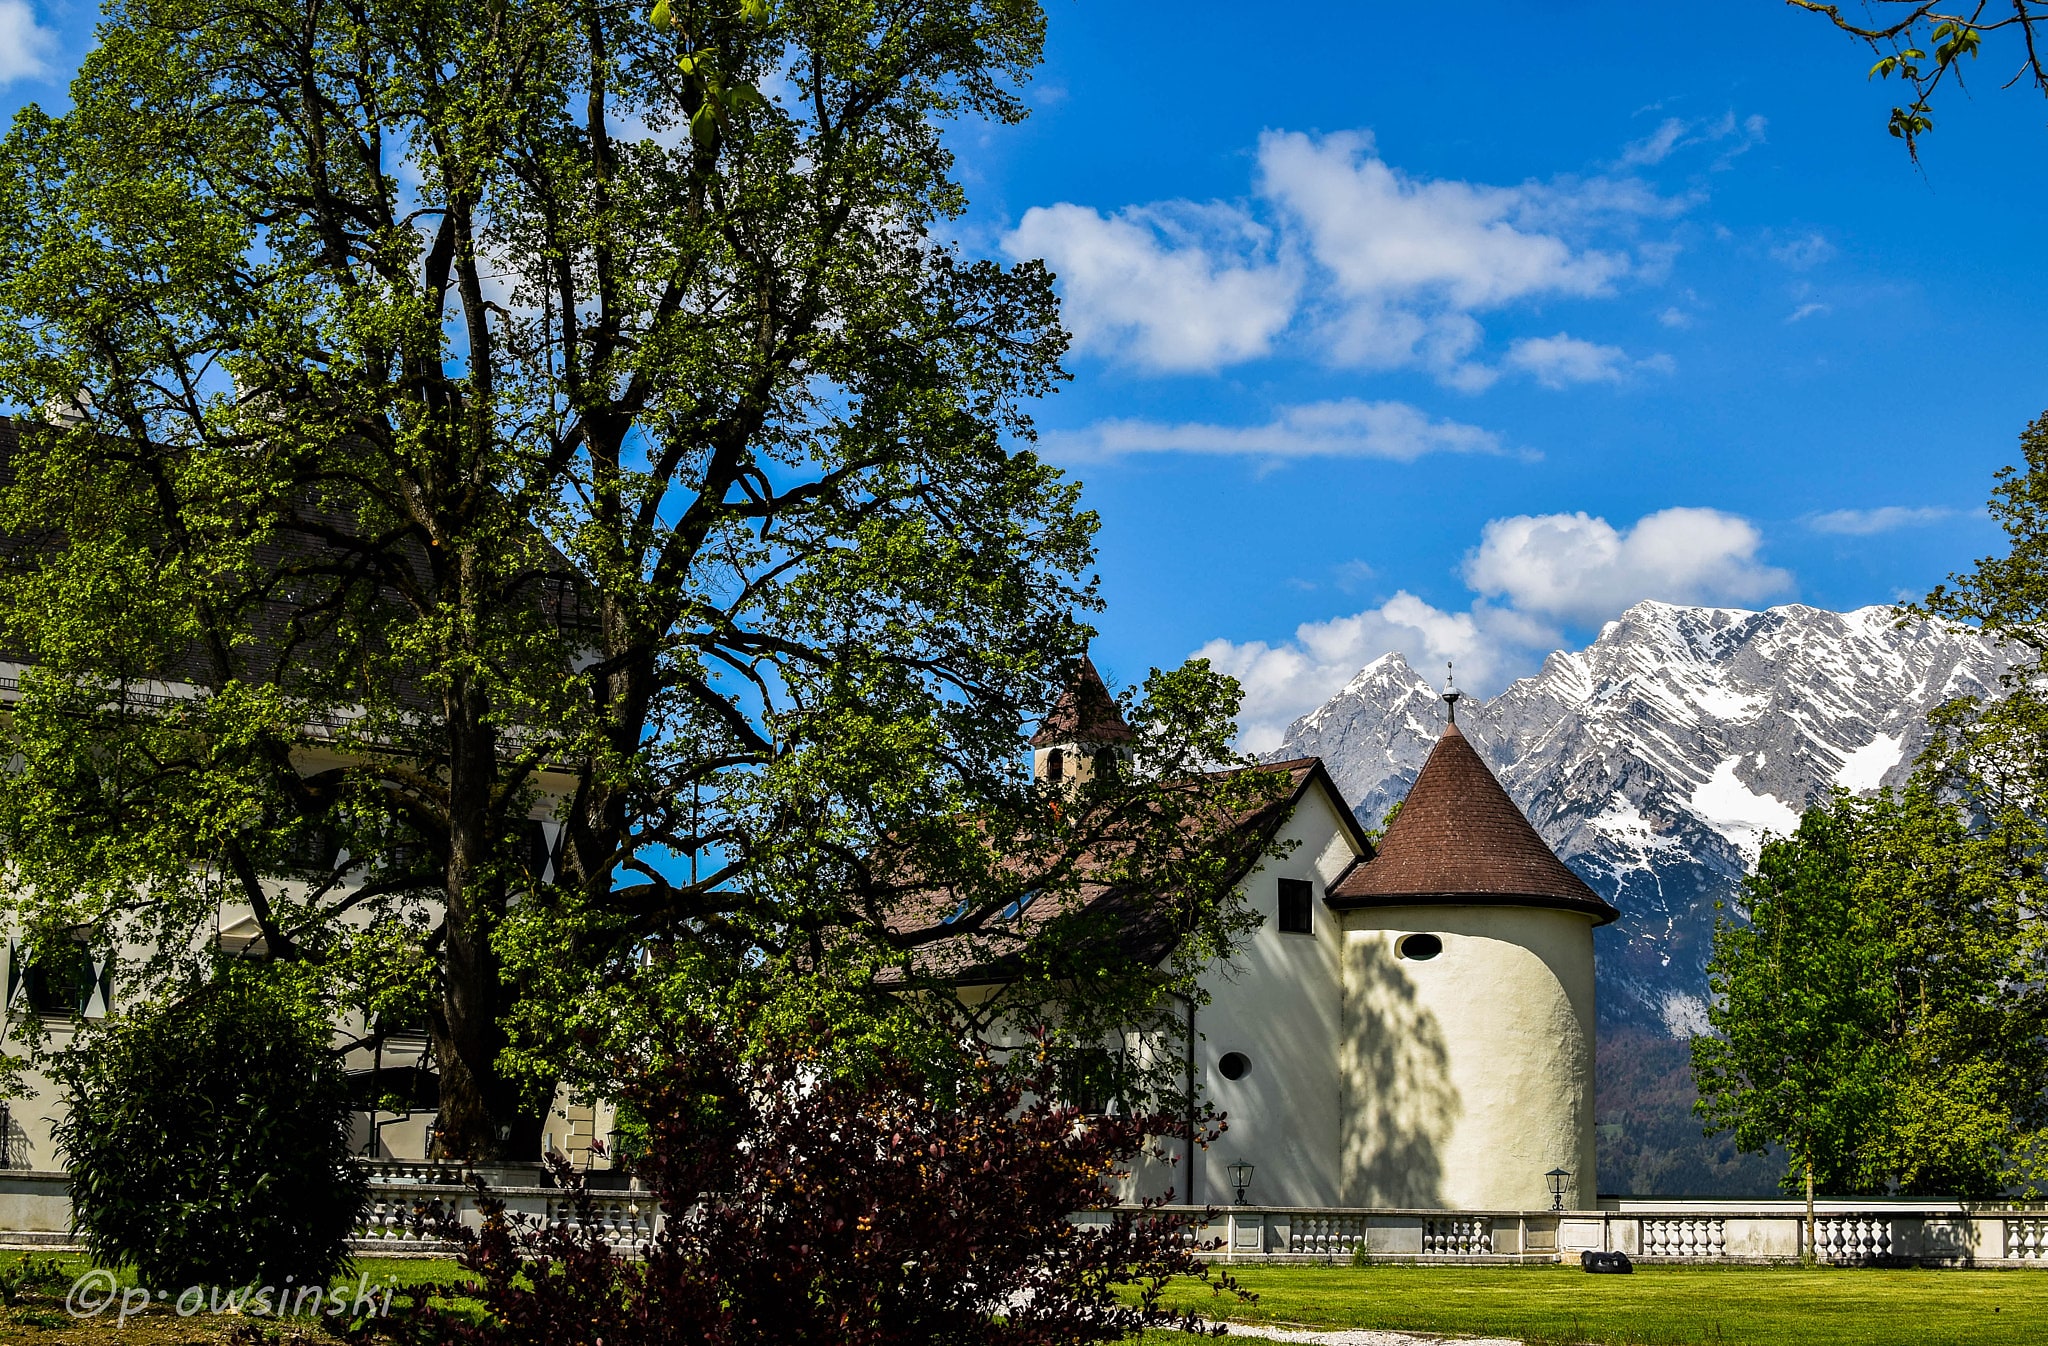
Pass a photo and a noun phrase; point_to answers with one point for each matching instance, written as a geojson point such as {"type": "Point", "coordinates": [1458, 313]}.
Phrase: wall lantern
{"type": "Point", "coordinates": [1560, 1178]}
{"type": "Point", "coordinates": [1241, 1179]}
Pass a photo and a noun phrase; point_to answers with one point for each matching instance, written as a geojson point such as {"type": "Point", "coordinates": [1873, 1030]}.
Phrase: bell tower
{"type": "Point", "coordinates": [1084, 736]}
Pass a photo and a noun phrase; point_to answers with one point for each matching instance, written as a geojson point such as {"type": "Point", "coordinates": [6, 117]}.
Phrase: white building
{"type": "Point", "coordinates": [1410, 1027]}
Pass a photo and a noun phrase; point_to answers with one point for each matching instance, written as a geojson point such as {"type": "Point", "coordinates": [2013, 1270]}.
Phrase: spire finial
{"type": "Point", "coordinates": [1451, 692]}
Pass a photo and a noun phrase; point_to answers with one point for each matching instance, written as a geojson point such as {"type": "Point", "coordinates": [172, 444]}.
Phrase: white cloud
{"type": "Point", "coordinates": [24, 44]}
{"type": "Point", "coordinates": [1376, 267]}
{"type": "Point", "coordinates": [1805, 311]}
{"type": "Point", "coordinates": [1731, 134]}
{"type": "Point", "coordinates": [1381, 232]}
{"type": "Point", "coordinates": [1409, 258]}
{"type": "Point", "coordinates": [1170, 287]}
{"type": "Point", "coordinates": [1657, 146]}
{"type": "Point", "coordinates": [1283, 682]}
{"type": "Point", "coordinates": [1561, 360]}
{"type": "Point", "coordinates": [1531, 574]}
{"type": "Point", "coordinates": [1347, 428]}
{"type": "Point", "coordinates": [1579, 568]}
{"type": "Point", "coordinates": [1864, 522]}
{"type": "Point", "coordinates": [1808, 250]}
{"type": "Point", "coordinates": [1675, 317]}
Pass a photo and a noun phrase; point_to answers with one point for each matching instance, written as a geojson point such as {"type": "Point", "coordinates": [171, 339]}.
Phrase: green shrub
{"type": "Point", "coordinates": [208, 1137]}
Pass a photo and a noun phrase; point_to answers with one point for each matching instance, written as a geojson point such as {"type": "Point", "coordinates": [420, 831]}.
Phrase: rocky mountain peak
{"type": "Point", "coordinates": [1656, 759]}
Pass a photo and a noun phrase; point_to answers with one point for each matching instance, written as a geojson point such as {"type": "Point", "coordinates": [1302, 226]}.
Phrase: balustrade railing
{"type": "Point", "coordinates": [1327, 1235]}
{"type": "Point", "coordinates": [1853, 1238]}
{"type": "Point", "coordinates": [398, 1217]}
{"type": "Point", "coordinates": [1701, 1238]}
{"type": "Point", "coordinates": [2026, 1240]}
{"type": "Point", "coordinates": [414, 1172]}
{"type": "Point", "coordinates": [1458, 1237]}
{"type": "Point", "coordinates": [624, 1222]}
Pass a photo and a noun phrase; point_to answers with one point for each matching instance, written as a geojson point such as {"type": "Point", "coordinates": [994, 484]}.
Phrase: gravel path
{"type": "Point", "coordinates": [1356, 1336]}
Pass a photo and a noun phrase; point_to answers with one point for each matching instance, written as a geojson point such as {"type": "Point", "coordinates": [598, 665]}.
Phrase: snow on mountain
{"type": "Point", "coordinates": [1658, 758]}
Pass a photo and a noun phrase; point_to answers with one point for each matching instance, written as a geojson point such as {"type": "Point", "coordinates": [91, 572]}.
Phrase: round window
{"type": "Point", "coordinates": [1419, 947]}
{"type": "Point", "coordinates": [1234, 1065]}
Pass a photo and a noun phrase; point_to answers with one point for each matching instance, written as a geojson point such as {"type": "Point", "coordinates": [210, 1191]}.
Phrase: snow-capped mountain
{"type": "Point", "coordinates": [1656, 759]}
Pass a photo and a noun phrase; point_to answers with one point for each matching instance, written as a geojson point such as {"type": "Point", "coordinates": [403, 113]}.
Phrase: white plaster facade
{"type": "Point", "coordinates": [1459, 1081]}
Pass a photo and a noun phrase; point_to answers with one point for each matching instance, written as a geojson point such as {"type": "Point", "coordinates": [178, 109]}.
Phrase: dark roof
{"type": "Point", "coordinates": [1085, 713]}
{"type": "Point", "coordinates": [313, 551]}
{"type": "Point", "coordinates": [1459, 838]}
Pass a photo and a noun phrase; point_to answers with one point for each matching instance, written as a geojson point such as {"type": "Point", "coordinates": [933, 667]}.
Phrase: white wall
{"type": "Point", "coordinates": [1469, 1075]}
{"type": "Point", "coordinates": [1280, 1003]}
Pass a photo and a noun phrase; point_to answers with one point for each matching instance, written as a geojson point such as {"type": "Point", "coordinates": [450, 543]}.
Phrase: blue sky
{"type": "Point", "coordinates": [1457, 330]}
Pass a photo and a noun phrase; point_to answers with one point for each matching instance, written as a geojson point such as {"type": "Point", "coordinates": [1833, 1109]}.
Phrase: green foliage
{"type": "Point", "coordinates": [1901, 32]}
{"type": "Point", "coordinates": [1881, 1015]}
{"type": "Point", "coordinates": [207, 1137]}
{"type": "Point", "coordinates": [465, 415]}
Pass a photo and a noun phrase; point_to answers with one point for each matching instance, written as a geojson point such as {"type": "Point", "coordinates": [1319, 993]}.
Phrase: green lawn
{"type": "Point", "coordinates": [38, 1313]}
{"type": "Point", "coordinates": [1658, 1306]}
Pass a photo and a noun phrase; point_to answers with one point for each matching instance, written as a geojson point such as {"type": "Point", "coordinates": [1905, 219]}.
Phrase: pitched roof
{"type": "Point", "coordinates": [1459, 838]}
{"type": "Point", "coordinates": [1085, 713]}
{"type": "Point", "coordinates": [1145, 924]}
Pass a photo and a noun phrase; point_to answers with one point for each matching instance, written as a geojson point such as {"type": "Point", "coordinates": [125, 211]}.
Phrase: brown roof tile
{"type": "Point", "coordinates": [1459, 838]}
{"type": "Point", "coordinates": [1144, 926]}
{"type": "Point", "coordinates": [1085, 713]}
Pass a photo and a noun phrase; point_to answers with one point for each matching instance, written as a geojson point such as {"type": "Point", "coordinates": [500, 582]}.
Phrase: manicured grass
{"type": "Point", "coordinates": [1657, 1306]}
{"type": "Point", "coordinates": [40, 1315]}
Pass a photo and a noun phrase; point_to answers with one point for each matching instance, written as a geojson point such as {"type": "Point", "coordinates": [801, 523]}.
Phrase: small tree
{"type": "Point", "coordinates": [1881, 1015]}
{"type": "Point", "coordinates": [208, 1137]}
{"type": "Point", "coordinates": [820, 1186]}
{"type": "Point", "coordinates": [1796, 1008]}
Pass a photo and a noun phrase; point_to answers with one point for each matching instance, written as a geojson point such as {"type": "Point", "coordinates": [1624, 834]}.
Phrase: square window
{"type": "Point", "coordinates": [1297, 906]}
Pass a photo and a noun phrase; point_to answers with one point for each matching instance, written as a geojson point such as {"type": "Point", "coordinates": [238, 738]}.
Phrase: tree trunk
{"type": "Point", "coordinates": [466, 1046]}
{"type": "Point", "coordinates": [481, 1116]}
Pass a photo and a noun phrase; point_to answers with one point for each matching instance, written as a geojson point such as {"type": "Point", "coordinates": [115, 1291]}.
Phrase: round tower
{"type": "Point", "coordinates": [1468, 993]}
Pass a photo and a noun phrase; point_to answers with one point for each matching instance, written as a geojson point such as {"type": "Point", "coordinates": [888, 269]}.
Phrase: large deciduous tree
{"type": "Point", "coordinates": [447, 417]}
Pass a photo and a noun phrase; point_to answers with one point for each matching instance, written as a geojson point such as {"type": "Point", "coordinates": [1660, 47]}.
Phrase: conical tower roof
{"type": "Point", "coordinates": [1085, 713]}
{"type": "Point", "coordinates": [1459, 839]}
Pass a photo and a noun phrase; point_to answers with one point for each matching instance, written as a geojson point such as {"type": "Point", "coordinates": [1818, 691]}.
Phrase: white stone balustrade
{"type": "Point", "coordinates": [2026, 1239]}
{"type": "Point", "coordinates": [1458, 1236]}
{"type": "Point", "coordinates": [35, 1212]}
{"type": "Point", "coordinates": [1703, 1239]}
{"type": "Point", "coordinates": [624, 1220]}
{"type": "Point", "coordinates": [1326, 1235]}
{"type": "Point", "coordinates": [1853, 1238]}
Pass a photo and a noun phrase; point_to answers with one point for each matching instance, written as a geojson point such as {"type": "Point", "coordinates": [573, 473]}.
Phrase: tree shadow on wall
{"type": "Point", "coordinates": [1399, 1105]}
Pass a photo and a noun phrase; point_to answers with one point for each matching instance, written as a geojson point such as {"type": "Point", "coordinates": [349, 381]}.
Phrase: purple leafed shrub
{"type": "Point", "coordinates": [807, 1203]}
